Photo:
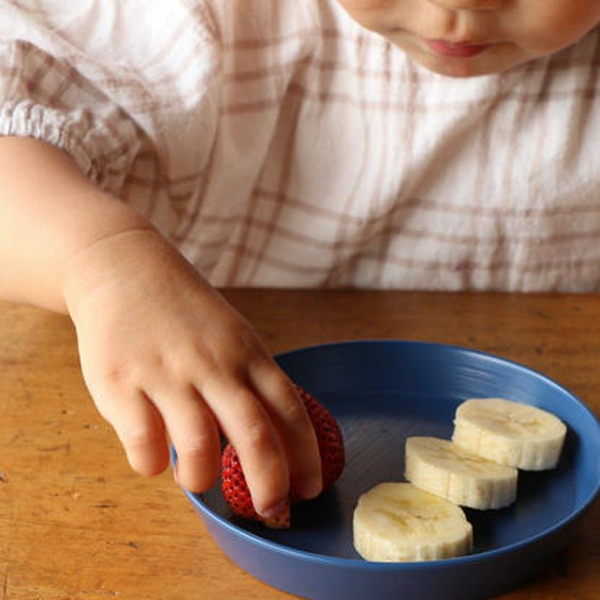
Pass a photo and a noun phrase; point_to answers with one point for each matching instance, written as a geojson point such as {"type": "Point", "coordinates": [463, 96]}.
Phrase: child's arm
{"type": "Point", "coordinates": [162, 353]}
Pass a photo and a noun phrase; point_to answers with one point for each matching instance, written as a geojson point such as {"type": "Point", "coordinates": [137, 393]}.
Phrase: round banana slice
{"type": "Point", "coordinates": [397, 522]}
{"type": "Point", "coordinates": [445, 469]}
{"type": "Point", "coordinates": [509, 433]}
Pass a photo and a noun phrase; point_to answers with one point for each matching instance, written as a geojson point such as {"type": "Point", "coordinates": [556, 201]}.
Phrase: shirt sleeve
{"type": "Point", "coordinates": [128, 89]}
{"type": "Point", "coordinates": [46, 98]}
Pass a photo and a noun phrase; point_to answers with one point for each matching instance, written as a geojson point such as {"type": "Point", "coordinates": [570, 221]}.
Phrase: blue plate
{"type": "Point", "coordinates": [381, 392]}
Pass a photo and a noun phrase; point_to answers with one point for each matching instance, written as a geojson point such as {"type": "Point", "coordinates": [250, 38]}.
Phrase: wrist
{"type": "Point", "coordinates": [110, 261]}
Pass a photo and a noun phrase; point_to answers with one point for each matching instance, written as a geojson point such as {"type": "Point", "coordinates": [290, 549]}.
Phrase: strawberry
{"type": "Point", "coordinates": [331, 448]}
{"type": "Point", "coordinates": [329, 439]}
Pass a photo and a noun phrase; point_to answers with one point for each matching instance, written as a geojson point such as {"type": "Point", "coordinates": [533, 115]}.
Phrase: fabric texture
{"type": "Point", "coordinates": [277, 143]}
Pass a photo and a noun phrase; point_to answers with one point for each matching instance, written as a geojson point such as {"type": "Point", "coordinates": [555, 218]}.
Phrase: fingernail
{"type": "Point", "coordinates": [310, 489]}
{"type": "Point", "coordinates": [275, 510]}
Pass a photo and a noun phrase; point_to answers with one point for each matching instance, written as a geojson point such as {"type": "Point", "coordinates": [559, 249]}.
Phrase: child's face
{"type": "Point", "coordinates": [463, 38]}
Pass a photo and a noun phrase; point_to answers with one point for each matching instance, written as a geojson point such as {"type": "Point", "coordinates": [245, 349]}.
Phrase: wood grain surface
{"type": "Point", "coordinates": [77, 524]}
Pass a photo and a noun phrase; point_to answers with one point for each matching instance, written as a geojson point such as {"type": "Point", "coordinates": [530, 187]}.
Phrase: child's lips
{"type": "Point", "coordinates": [456, 50]}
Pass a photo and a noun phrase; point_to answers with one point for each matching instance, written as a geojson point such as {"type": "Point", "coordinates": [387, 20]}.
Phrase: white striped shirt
{"type": "Point", "coordinates": [278, 143]}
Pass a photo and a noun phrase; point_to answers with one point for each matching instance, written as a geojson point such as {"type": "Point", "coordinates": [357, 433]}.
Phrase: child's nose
{"type": "Point", "coordinates": [470, 4]}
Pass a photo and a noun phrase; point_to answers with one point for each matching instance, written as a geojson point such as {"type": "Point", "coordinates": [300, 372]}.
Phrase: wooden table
{"type": "Point", "coordinates": [77, 524]}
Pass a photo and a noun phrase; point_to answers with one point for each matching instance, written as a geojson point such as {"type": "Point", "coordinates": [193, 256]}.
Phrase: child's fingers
{"type": "Point", "coordinates": [287, 410]}
{"type": "Point", "coordinates": [140, 429]}
{"type": "Point", "coordinates": [249, 429]}
{"type": "Point", "coordinates": [195, 435]}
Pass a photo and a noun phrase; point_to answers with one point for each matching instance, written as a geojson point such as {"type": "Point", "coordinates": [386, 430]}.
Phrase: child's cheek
{"type": "Point", "coordinates": [560, 23]}
{"type": "Point", "coordinates": [369, 13]}
{"type": "Point", "coordinates": [366, 5]}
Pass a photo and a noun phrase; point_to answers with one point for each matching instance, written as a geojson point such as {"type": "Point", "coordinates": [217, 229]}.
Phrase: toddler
{"type": "Point", "coordinates": [152, 151]}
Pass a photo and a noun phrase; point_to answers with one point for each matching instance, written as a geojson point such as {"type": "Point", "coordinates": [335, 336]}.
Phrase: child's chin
{"type": "Point", "coordinates": [488, 63]}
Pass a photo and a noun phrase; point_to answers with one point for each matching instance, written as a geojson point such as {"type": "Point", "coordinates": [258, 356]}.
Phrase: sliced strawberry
{"type": "Point", "coordinates": [331, 448]}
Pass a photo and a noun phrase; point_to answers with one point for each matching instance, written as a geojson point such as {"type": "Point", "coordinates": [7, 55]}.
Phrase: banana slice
{"type": "Point", "coordinates": [397, 522]}
{"type": "Point", "coordinates": [509, 433]}
{"type": "Point", "coordinates": [445, 469]}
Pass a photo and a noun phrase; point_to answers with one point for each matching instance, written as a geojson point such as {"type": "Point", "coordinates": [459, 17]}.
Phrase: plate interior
{"type": "Point", "coordinates": [382, 393]}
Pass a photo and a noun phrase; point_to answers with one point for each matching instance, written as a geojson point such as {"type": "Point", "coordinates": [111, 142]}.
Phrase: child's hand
{"type": "Point", "coordinates": [165, 356]}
